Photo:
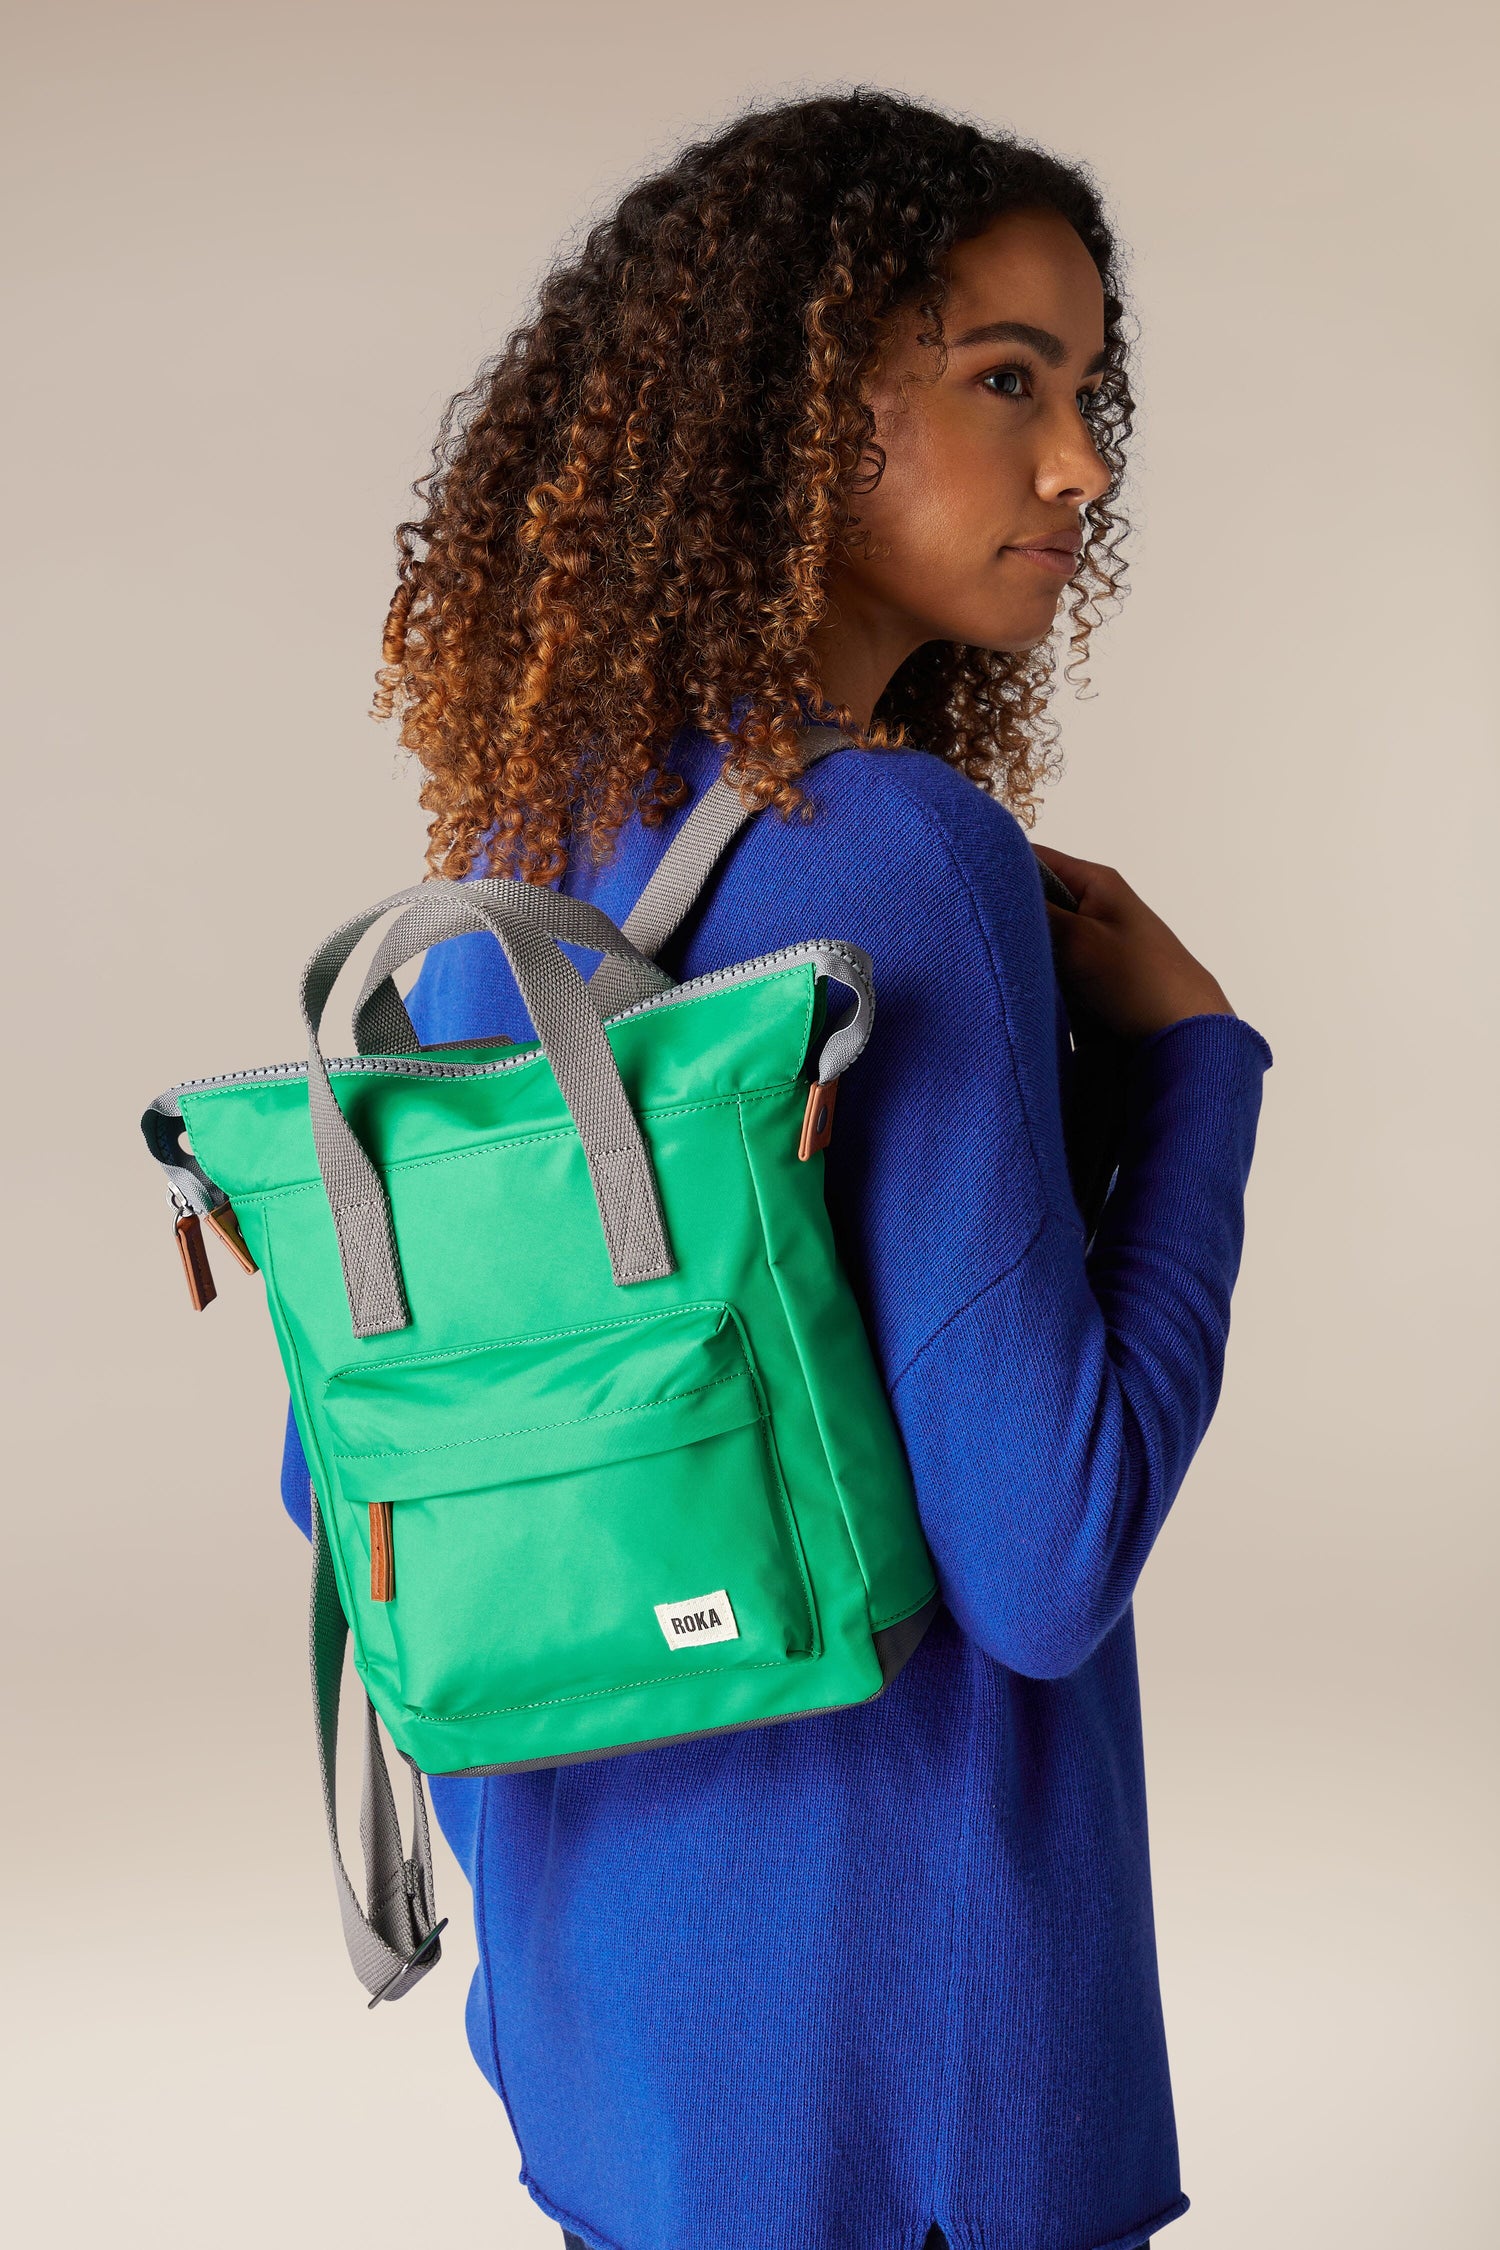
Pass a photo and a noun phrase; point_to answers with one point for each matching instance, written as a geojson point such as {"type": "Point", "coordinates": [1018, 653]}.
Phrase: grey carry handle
{"type": "Point", "coordinates": [382, 1025]}
{"type": "Point", "coordinates": [527, 920]}
{"type": "Point", "coordinates": [394, 1937]}
{"type": "Point", "coordinates": [685, 866]}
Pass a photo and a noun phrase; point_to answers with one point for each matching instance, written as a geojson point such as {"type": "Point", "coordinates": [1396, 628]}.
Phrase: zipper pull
{"type": "Point", "coordinates": [193, 1250]}
{"type": "Point", "coordinates": [382, 1552]}
{"type": "Point", "coordinates": [227, 1227]}
{"type": "Point", "coordinates": [195, 1266]}
{"type": "Point", "coordinates": [817, 1118]}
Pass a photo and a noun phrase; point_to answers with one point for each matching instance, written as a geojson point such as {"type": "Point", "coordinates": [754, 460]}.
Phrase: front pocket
{"type": "Point", "coordinates": [564, 1509]}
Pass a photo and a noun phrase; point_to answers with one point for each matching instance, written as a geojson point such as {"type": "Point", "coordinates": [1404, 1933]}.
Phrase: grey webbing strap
{"type": "Point", "coordinates": [393, 1939]}
{"type": "Point", "coordinates": [527, 920]}
{"type": "Point", "coordinates": [382, 1025]}
{"type": "Point", "coordinates": [685, 866]}
{"type": "Point", "coordinates": [573, 1039]}
{"type": "Point", "coordinates": [1054, 889]}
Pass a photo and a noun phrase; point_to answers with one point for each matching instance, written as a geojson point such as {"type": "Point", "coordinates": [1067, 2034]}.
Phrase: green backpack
{"type": "Point", "coordinates": [599, 1451]}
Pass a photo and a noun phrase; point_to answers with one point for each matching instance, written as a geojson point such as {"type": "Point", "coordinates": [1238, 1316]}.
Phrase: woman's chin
{"type": "Point", "coordinates": [1016, 639]}
{"type": "Point", "coordinates": [1019, 626]}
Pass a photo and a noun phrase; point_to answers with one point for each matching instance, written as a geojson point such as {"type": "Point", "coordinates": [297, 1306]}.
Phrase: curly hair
{"type": "Point", "coordinates": [632, 512]}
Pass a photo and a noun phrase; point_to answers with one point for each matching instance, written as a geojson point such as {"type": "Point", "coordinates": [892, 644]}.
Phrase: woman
{"type": "Point", "coordinates": [825, 422]}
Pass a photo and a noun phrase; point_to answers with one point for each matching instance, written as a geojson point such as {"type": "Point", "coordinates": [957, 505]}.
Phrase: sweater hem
{"type": "Point", "coordinates": [568, 2220]}
{"type": "Point", "coordinates": [973, 2234]}
{"type": "Point", "coordinates": [961, 2234]}
{"type": "Point", "coordinates": [1139, 2238]}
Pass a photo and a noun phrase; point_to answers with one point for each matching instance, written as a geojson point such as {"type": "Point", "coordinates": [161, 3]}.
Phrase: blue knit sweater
{"type": "Point", "coordinates": [816, 1986]}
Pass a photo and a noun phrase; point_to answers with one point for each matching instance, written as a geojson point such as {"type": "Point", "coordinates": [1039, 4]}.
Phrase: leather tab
{"type": "Point", "coordinates": [382, 1552]}
{"type": "Point", "coordinates": [195, 1266]}
{"type": "Point", "coordinates": [817, 1119]}
{"type": "Point", "coordinates": [227, 1227]}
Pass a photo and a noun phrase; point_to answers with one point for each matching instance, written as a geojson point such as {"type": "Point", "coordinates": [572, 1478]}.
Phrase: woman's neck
{"type": "Point", "coordinates": [858, 649]}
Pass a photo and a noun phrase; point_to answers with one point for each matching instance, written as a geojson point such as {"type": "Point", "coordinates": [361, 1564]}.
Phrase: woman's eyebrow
{"type": "Point", "coordinates": [1050, 349]}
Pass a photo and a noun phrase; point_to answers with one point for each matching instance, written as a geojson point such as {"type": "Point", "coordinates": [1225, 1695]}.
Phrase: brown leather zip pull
{"type": "Point", "coordinates": [382, 1552]}
{"type": "Point", "coordinates": [195, 1265]}
{"type": "Point", "coordinates": [817, 1118]}
{"type": "Point", "coordinates": [227, 1227]}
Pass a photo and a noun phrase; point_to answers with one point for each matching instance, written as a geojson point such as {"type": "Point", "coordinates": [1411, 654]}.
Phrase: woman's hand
{"type": "Point", "coordinates": [1117, 961]}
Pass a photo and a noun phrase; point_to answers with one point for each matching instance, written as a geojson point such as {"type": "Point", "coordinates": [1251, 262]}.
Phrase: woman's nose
{"type": "Point", "coordinates": [1071, 470]}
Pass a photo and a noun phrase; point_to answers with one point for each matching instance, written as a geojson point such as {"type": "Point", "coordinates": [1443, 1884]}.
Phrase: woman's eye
{"type": "Point", "coordinates": [1088, 403]}
{"type": "Point", "coordinates": [1005, 382]}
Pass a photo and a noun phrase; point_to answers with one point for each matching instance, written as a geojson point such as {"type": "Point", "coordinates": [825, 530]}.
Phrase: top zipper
{"type": "Point", "coordinates": [411, 1066]}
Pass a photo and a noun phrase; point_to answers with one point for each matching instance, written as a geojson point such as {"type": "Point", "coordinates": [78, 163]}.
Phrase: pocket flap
{"type": "Point", "coordinates": [540, 1406]}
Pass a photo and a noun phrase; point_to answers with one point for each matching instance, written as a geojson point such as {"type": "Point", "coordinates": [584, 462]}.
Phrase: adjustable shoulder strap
{"type": "Point", "coordinates": [685, 866]}
{"type": "Point", "coordinates": [395, 1938]}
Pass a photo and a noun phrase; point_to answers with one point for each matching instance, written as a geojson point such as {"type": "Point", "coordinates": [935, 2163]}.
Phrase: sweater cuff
{"type": "Point", "coordinates": [1191, 1106]}
{"type": "Point", "coordinates": [1221, 1044]}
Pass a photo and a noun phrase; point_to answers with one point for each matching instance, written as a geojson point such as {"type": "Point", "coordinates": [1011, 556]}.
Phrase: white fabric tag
{"type": "Point", "coordinates": [707, 1617]}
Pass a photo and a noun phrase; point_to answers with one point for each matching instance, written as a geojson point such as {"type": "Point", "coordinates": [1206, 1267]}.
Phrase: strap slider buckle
{"type": "Point", "coordinates": [426, 1957]}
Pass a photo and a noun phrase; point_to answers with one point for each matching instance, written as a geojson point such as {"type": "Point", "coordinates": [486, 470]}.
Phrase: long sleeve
{"type": "Point", "coordinates": [1050, 1402]}
{"type": "Point", "coordinates": [1052, 1419]}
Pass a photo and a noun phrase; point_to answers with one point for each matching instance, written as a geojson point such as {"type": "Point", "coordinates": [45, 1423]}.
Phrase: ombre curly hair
{"type": "Point", "coordinates": [632, 511]}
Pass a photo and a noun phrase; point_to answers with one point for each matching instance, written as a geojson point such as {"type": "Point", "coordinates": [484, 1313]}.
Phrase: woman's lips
{"type": "Point", "coordinates": [1061, 561]}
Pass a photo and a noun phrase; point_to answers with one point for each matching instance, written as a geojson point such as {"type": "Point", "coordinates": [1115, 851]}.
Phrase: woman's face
{"type": "Point", "coordinates": [973, 530]}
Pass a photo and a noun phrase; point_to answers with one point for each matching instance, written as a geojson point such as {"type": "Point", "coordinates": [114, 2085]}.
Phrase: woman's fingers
{"type": "Point", "coordinates": [1064, 864]}
{"type": "Point", "coordinates": [1118, 960]}
{"type": "Point", "coordinates": [1098, 890]}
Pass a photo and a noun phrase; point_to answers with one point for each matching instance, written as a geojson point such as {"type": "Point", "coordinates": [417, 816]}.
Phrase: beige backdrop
{"type": "Point", "coordinates": [252, 248]}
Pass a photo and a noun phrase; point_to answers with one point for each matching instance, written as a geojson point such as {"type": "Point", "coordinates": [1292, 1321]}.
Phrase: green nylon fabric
{"type": "Point", "coordinates": [562, 1455]}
